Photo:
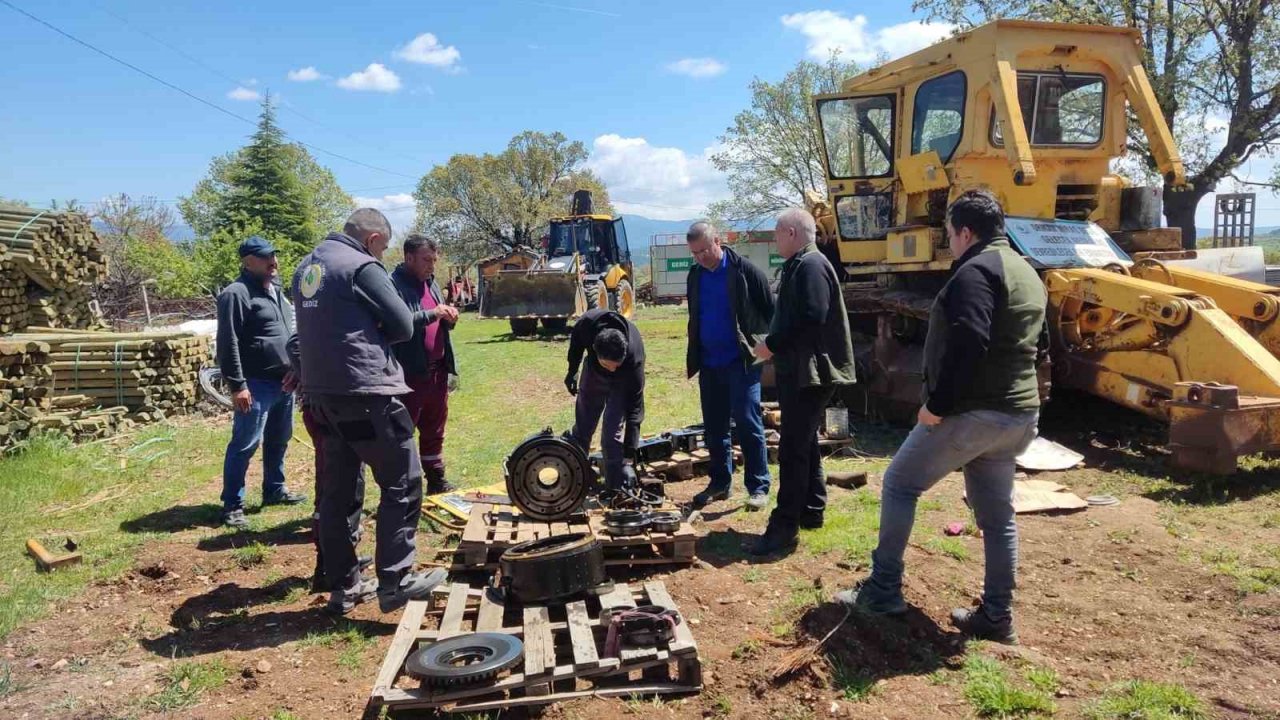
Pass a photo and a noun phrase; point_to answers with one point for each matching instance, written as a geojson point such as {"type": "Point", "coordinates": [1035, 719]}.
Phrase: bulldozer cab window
{"type": "Point", "coordinates": [568, 238]}
{"type": "Point", "coordinates": [937, 121]}
{"type": "Point", "coordinates": [1058, 109]}
{"type": "Point", "coordinates": [604, 241]}
{"type": "Point", "coordinates": [620, 234]}
{"type": "Point", "coordinates": [858, 134]}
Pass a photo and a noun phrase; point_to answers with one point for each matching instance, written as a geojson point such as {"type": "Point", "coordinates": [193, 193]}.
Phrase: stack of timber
{"type": "Point", "coordinates": [29, 404]}
{"type": "Point", "coordinates": [50, 263]}
{"type": "Point", "coordinates": [151, 375]}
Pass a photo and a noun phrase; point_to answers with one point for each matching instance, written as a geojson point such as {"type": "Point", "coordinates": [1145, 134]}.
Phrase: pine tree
{"type": "Point", "coordinates": [266, 191]}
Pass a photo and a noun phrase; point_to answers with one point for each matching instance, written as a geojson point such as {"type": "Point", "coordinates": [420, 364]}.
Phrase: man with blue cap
{"type": "Point", "coordinates": [254, 328]}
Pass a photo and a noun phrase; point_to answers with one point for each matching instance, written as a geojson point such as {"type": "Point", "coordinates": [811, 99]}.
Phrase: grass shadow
{"type": "Point", "coordinates": [176, 519]}
{"type": "Point", "coordinates": [219, 620]}
{"type": "Point", "coordinates": [293, 532]}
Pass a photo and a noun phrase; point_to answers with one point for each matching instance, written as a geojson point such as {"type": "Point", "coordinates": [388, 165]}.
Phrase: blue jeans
{"type": "Point", "coordinates": [734, 392]}
{"type": "Point", "coordinates": [986, 443]}
{"type": "Point", "coordinates": [269, 423]}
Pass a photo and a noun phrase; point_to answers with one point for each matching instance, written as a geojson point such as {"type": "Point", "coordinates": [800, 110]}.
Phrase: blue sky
{"type": "Point", "coordinates": [403, 85]}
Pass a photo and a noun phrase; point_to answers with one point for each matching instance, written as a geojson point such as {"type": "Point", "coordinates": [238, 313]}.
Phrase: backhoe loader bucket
{"type": "Point", "coordinates": [536, 294]}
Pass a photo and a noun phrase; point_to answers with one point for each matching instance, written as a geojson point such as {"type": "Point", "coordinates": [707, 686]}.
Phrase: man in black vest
{"type": "Point", "coordinates": [254, 329]}
{"type": "Point", "coordinates": [812, 354]}
{"type": "Point", "coordinates": [349, 315]}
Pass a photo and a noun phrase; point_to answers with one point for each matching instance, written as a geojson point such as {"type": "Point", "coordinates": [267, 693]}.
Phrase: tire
{"type": "Point", "coordinates": [623, 299]}
{"type": "Point", "coordinates": [597, 295]}
{"type": "Point", "coordinates": [214, 388]}
{"type": "Point", "coordinates": [555, 325]}
{"type": "Point", "coordinates": [523, 327]}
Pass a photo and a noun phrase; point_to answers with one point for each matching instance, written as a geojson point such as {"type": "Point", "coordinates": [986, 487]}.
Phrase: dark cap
{"type": "Point", "coordinates": [256, 246]}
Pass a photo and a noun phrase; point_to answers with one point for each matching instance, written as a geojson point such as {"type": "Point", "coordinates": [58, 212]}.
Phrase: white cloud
{"type": "Point", "coordinates": [399, 208]}
{"type": "Point", "coordinates": [306, 74]}
{"type": "Point", "coordinates": [830, 31]}
{"type": "Point", "coordinates": [244, 93]}
{"type": "Point", "coordinates": [427, 50]}
{"type": "Point", "coordinates": [664, 183]}
{"type": "Point", "coordinates": [697, 67]}
{"type": "Point", "coordinates": [375, 78]}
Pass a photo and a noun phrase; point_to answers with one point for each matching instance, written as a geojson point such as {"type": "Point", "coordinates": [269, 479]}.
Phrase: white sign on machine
{"type": "Point", "coordinates": [1064, 243]}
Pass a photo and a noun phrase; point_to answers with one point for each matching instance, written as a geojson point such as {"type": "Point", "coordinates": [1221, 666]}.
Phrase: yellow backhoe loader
{"type": "Point", "coordinates": [1036, 113]}
{"type": "Point", "coordinates": [586, 263]}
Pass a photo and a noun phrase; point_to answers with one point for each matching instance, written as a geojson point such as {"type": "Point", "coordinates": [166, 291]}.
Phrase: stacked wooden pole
{"type": "Point", "coordinates": [51, 261]}
{"type": "Point", "coordinates": [25, 385]}
{"type": "Point", "coordinates": [152, 374]}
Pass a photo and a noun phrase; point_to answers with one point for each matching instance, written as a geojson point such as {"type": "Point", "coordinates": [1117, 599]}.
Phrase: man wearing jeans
{"type": "Point", "coordinates": [730, 306]}
{"type": "Point", "coordinates": [981, 403]}
{"type": "Point", "coordinates": [254, 328]}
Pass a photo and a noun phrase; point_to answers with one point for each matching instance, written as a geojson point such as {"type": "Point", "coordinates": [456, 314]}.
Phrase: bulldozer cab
{"type": "Point", "coordinates": [1034, 112]}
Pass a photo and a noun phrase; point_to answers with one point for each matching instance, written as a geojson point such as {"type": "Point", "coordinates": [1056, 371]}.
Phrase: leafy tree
{"type": "Point", "coordinates": [478, 204]}
{"type": "Point", "coordinates": [772, 151]}
{"type": "Point", "coordinates": [138, 250]}
{"type": "Point", "coordinates": [1208, 60]}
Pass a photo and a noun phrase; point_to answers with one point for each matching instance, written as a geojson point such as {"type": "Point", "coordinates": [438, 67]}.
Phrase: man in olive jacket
{"type": "Point", "coordinates": [980, 406]}
{"type": "Point", "coordinates": [730, 306]}
{"type": "Point", "coordinates": [812, 354]}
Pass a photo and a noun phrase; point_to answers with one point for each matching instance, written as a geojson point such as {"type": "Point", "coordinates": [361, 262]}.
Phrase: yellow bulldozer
{"type": "Point", "coordinates": [585, 263]}
{"type": "Point", "coordinates": [1036, 113]}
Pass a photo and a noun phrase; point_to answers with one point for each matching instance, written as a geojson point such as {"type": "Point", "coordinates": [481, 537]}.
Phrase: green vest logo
{"type": "Point", "coordinates": [311, 280]}
{"type": "Point", "coordinates": [674, 264]}
{"type": "Point", "coordinates": [776, 260]}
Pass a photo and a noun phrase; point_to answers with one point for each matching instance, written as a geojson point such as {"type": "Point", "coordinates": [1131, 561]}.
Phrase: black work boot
{"type": "Point", "coordinates": [436, 482]}
{"type": "Point", "coordinates": [811, 519]}
{"type": "Point", "coordinates": [975, 623]}
{"type": "Point", "coordinates": [775, 540]}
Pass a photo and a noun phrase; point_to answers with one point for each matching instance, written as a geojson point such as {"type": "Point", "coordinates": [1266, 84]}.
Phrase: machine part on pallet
{"type": "Point", "coordinates": [665, 521]}
{"type": "Point", "coordinates": [552, 568]}
{"type": "Point", "coordinates": [465, 659]}
{"type": "Point", "coordinates": [630, 499]}
{"type": "Point", "coordinates": [687, 439]}
{"type": "Point", "coordinates": [548, 477]}
{"type": "Point", "coordinates": [626, 523]}
{"type": "Point", "coordinates": [655, 449]}
{"type": "Point", "coordinates": [644, 626]}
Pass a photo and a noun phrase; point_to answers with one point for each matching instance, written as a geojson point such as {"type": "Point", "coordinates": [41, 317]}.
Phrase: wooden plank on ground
{"type": "Point", "coordinates": [489, 619]}
{"type": "Point", "coordinates": [580, 635]}
{"type": "Point", "coordinates": [401, 644]}
{"type": "Point", "coordinates": [539, 650]}
{"type": "Point", "coordinates": [683, 641]}
{"type": "Point", "coordinates": [451, 623]}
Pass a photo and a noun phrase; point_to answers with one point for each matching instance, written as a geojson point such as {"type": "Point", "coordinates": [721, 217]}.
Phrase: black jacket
{"type": "Point", "coordinates": [413, 354]}
{"type": "Point", "coordinates": [986, 331]}
{"type": "Point", "coordinates": [254, 330]}
{"type": "Point", "coordinates": [809, 335]}
{"type": "Point", "coordinates": [630, 373]}
{"type": "Point", "coordinates": [750, 299]}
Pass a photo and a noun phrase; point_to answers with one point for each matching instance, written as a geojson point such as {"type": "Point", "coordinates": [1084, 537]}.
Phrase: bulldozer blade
{"type": "Point", "coordinates": [520, 294]}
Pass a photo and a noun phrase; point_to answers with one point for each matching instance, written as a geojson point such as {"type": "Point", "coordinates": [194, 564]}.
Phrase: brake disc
{"type": "Point", "coordinates": [626, 523]}
{"type": "Point", "coordinates": [465, 659]}
{"type": "Point", "coordinates": [553, 568]}
{"type": "Point", "coordinates": [548, 477]}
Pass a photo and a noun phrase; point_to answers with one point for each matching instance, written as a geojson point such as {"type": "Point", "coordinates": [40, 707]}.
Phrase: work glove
{"type": "Point", "coordinates": [571, 383]}
{"type": "Point", "coordinates": [629, 478]}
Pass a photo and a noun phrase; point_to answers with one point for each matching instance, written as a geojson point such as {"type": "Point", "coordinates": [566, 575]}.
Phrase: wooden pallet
{"type": "Point", "coordinates": [564, 652]}
{"type": "Point", "coordinates": [826, 446]}
{"type": "Point", "coordinates": [685, 466]}
{"type": "Point", "coordinates": [491, 529]}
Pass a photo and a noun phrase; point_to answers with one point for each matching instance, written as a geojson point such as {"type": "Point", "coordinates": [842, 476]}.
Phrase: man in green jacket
{"type": "Point", "coordinates": [981, 403]}
{"type": "Point", "coordinates": [812, 355]}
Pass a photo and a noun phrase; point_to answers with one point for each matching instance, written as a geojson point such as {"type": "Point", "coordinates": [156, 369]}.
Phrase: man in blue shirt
{"type": "Point", "coordinates": [730, 307]}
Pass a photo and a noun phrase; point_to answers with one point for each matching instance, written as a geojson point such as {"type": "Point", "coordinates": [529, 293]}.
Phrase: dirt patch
{"type": "Point", "coordinates": [1105, 595]}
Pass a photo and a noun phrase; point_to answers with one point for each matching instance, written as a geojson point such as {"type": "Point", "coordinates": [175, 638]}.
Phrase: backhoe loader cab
{"type": "Point", "coordinates": [1036, 113]}
{"type": "Point", "coordinates": [584, 263]}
